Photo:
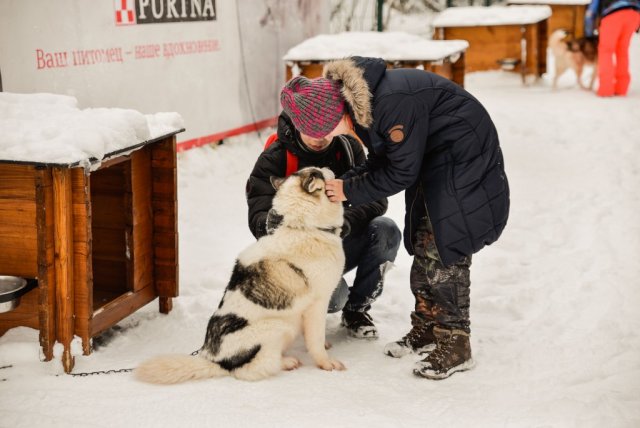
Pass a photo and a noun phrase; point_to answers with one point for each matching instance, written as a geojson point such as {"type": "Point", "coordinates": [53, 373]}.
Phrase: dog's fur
{"type": "Point", "coordinates": [573, 54]}
{"type": "Point", "coordinates": [280, 285]}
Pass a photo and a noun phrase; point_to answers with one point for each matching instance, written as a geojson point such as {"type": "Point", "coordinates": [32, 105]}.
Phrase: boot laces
{"type": "Point", "coordinates": [442, 351]}
{"type": "Point", "coordinates": [417, 336]}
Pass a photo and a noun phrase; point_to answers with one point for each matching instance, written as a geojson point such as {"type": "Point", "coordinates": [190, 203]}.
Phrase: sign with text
{"type": "Point", "coordinates": [130, 12]}
{"type": "Point", "coordinates": [216, 62]}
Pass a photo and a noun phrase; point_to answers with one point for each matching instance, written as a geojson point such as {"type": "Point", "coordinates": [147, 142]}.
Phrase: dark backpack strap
{"type": "Point", "coordinates": [292, 160]}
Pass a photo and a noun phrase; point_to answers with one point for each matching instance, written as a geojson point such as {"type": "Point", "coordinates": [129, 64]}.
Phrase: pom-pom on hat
{"type": "Point", "coordinates": [315, 106]}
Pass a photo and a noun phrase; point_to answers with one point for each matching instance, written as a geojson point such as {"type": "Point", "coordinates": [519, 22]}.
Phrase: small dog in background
{"type": "Point", "coordinates": [574, 54]}
{"type": "Point", "coordinates": [280, 286]}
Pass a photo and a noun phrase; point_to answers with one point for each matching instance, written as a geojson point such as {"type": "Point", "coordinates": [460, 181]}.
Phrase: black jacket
{"type": "Point", "coordinates": [273, 162]}
{"type": "Point", "coordinates": [428, 136]}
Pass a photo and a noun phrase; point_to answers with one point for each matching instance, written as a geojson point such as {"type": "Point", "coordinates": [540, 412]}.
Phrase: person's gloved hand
{"type": "Point", "coordinates": [346, 229]}
{"type": "Point", "coordinates": [274, 220]}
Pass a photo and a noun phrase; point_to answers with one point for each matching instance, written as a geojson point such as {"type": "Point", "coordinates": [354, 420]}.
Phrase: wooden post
{"type": "Point", "coordinates": [63, 261]}
{"type": "Point", "coordinates": [46, 269]}
{"type": "Point", "coordinates": [165, 223]}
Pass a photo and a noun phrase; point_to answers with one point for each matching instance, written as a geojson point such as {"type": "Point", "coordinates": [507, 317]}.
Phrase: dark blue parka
{"type": "Point", "coordinates": [430, 137]}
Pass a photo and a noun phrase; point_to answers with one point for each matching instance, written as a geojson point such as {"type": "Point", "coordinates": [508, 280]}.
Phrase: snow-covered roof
{"type": "Point", "coordinates": [49, 128]}
{"type": "Point", "coordinates": [495, 15]}
{"type": "Point", "coordinates": [391, 46]}
{"type": "Point", "coordinates": [551, 2]}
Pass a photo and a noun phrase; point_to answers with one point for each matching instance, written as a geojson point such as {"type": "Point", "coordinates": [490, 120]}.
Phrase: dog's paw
{"type": "Point", "coordinates": [290, 363]}
{"type": "Point", "coordinates": [331, 364]}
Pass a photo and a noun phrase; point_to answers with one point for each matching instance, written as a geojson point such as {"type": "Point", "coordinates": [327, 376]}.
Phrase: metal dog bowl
{"type": "Point", "coordinates": [508, 63]}
{"type": "Point", "coordinates": [11, 289]}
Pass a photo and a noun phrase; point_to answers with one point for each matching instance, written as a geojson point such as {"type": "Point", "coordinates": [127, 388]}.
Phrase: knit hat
{"type": "Point", "coordinates": [315, 106]}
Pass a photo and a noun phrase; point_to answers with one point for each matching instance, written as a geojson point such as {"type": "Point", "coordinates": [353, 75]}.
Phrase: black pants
{"type": "Point", "coordinates": [370, 252]}
{"type": "Point", "coordinates": [441, 293]}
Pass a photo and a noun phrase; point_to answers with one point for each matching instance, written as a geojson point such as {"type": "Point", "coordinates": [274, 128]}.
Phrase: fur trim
{"type": "Point", "coordinates": [354, 88]}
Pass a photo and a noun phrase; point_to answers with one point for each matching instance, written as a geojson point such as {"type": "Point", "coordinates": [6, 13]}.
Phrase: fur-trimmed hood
{"type": "Point", "coordinates": [359, 77]}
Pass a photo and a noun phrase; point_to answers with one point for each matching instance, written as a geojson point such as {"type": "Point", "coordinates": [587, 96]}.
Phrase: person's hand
{"type": "Point", "coordinates": [273, 221]}
{"type": "Point", "coordinates": [333, 189]}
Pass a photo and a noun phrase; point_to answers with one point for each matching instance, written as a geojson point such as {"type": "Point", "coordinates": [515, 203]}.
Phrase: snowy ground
{"type": "Point", "coordinates": [554, 306]}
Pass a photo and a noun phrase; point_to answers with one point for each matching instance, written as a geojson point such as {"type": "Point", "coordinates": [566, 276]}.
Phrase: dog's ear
{"type": "Point", "coordinates": [276, 182]}
{"type": "Point", "coordinates": [313, 182]}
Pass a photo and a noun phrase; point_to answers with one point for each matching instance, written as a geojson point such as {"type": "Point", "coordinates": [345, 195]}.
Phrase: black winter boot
{"type": "Point", "coordinates": [452, 354]}
{"type": "Point", "coordinates": [359, 324]}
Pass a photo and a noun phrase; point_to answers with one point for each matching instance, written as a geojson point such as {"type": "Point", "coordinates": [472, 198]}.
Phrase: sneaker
{"type": "Point", "coordinates": [419, 340]}
{"type": "Point", "coordinates": [359, 324]}
{"type": "Point", "coordinates": [452, 354]}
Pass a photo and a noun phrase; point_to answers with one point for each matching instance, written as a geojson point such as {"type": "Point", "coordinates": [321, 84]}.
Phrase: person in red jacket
{"type": "Point", "coordinates": [618, 20]}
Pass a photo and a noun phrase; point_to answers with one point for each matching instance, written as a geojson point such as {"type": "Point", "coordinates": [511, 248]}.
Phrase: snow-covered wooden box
{"type": "Point", "coordinates": [399, 50]}
{"type": "Point", "coordinates": [99, 232]}
{"type": "Point", "coordinates": [566, 15]}
{"type": "Point", "coordinates": [499, 35]}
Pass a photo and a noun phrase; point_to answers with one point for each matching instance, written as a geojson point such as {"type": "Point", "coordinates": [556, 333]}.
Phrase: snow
{"type": "Point", "coordinates": [495, 15]}
{"type": "Point", "coordinates": [51, 128]}
{"type": "Point", "coordinates": [391, 46]}
{"type": "Point", "coordinates": [554, 303]}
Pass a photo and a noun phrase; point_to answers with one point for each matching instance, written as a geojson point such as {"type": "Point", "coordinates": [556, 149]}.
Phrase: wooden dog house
{"type": "Point", "coordinates": [102, 241]}
{"type": "Point", "coordinates": [566, 15]}
{"type": "Point", "coordinates": [399, 50]}
{"type": "Point", "coordinates": [515, 35]}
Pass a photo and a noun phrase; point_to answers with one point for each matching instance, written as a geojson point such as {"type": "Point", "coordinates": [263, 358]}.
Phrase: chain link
{"type": "Point", "coordinates": [106, 372]}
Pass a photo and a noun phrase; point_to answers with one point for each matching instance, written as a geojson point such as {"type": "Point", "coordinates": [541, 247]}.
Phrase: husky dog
{"type": "Point", "coordinates": [573, 54]}
{"type": "Point", "coordinates": [280, 285]}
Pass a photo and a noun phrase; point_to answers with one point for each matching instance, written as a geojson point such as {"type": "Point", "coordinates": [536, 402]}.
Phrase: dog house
{"type": "Point", "coordinates": [99, 237]}
{"type": "Point", "coordinates": [566, 15]}
{"type": "Point", "coordinates": [513, 37]}
{"type": "Point", "coordinates": [399, 50]}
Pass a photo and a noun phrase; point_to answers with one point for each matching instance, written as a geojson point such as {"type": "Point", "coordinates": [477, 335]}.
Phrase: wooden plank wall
{"type": "Point", "coordinates": [110, 227]}
{"type": "Point", "coordinates": [19, 239]}
{"type": "Point", "coordinates": [567, 17]}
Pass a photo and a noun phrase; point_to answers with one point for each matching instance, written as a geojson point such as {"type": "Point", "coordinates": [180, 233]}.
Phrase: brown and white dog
{"type": "Point", "coordinates": [573, 54]}
{"type": "Point", "coordinates": [280, 286]}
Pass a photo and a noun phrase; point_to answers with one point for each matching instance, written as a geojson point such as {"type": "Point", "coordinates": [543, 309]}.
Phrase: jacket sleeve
{"type": "Point", "coordinates": [400, 129]}
{"type": "Point", "coordinates": [360, 216]}
{"type": "Point", "coordinates": [259, 191]}
{"type": "Point", "coordinates": [590, 17]}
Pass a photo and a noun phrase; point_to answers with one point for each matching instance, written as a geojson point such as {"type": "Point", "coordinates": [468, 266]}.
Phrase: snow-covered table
{"type": "Point", "coordinates": [499, 35]}
{"type": "Point", "coordinates": [565, 14]}
{"type": "Point", "coordinates": [88, 207]}
{"type": "Point", "coordinates": [396, 48]}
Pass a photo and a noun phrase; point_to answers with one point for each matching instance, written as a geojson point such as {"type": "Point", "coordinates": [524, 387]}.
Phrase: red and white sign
{"type": "Point", "coordinates": [125, 12]}
{"type": "Point", "coordinates": [217, 63]}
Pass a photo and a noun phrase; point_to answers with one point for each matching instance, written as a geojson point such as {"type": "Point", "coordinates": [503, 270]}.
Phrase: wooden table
{"type": "Point", "coordinates": [496, 34]}
{"type": "Point", "coordinates": [399, 50]}
{"type": "Point", "coordinates": [566, 15]}
{"type": "Point", "coordinates": [101, 241]}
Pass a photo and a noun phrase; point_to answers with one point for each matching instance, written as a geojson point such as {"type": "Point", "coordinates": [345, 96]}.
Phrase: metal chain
{"type": "Point", "coordinates": [101, 372]}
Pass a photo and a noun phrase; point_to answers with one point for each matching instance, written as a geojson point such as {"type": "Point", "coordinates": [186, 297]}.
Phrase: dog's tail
{"type": "Point", "coordinates": [169, 369]}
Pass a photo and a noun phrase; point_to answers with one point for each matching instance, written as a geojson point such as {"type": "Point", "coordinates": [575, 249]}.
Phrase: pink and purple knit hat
{"type": "Point", "coordinates": [315, 106]}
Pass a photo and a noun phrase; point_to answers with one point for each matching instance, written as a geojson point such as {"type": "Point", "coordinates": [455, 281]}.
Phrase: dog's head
{"type": "Point", "coordinates": [302, 202]}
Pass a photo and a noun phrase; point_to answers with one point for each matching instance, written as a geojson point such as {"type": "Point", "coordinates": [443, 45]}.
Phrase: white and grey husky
{"type": "Point", "coordinates": [280, 285]}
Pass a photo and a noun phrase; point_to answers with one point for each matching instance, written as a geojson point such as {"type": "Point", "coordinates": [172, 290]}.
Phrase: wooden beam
{"type": "Point", "coordinates": [63, 261]}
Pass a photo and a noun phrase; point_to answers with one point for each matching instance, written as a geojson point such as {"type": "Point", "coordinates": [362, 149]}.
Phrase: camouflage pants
{"type": "Point", "coordinates": [441, 293]}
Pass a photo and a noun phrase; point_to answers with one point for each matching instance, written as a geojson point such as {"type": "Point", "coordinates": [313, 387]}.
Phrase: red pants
{"type": "Point", "coordinates": [615, 35]}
